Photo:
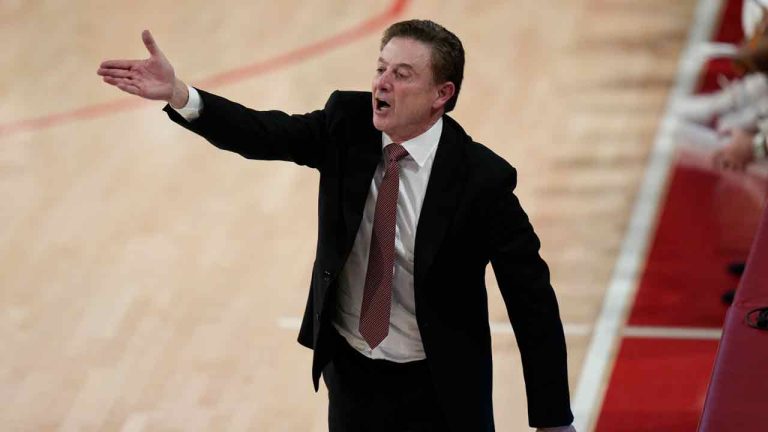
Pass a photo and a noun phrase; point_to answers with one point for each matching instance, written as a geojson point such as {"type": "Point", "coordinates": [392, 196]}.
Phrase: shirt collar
{"type": "Point", "coordinates": [421, 147]}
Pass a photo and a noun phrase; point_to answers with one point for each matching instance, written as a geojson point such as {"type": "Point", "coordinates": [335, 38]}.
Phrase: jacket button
{"type": "Point", "coordinates": [317, 316]}
{"type": "Point", "coordinates": [326, 275]}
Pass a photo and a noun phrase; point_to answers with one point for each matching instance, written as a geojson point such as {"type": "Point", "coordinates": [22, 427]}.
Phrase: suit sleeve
{"type": "Point", "coordinates": [523, 278]}
{"type": "Point", "coordinates": [264, 135]}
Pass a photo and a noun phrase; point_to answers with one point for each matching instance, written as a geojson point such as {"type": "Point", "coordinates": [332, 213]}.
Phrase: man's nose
{"type": "Point", "coordinates": [383, 82]}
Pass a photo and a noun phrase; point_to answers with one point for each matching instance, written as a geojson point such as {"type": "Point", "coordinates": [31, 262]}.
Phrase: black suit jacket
{"type": "Point", "coordinates": [469, 217]}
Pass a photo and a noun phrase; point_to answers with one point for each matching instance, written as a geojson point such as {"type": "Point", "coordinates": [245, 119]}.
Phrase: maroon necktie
{"type": "Point", "coordinates": [377, 296]}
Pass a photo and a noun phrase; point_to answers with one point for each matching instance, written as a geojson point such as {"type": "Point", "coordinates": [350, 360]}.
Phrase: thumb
{"type": "Point", "coordinates": [150, 43]}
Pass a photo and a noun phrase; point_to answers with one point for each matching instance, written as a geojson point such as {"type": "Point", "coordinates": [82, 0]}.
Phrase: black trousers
{"type": "Point", "coordinates": [366, 395]}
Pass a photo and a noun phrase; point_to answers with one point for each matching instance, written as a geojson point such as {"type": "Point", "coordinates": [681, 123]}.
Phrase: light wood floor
{"type": "Point", "coordinates": [147, 279]}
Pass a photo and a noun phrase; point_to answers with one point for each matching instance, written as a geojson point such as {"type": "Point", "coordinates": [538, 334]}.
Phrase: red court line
{"type": "Point", "coordinates": [297, 55]}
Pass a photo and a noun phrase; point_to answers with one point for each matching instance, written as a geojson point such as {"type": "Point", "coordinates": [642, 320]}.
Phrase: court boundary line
{"type": "Point", "coordinates": [296, 55]}
{"type": "Point", "coordinates": [592, 382]}
{"type": "Point", "coordinates": [658, 332]}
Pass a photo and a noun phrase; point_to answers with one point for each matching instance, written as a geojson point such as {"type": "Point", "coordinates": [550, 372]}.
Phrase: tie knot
{"type": "Point", "coordinates": [395, 152]}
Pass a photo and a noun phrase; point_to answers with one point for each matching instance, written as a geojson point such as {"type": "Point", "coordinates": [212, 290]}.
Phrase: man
{"type": "Point", "coordinates": [397, 316]}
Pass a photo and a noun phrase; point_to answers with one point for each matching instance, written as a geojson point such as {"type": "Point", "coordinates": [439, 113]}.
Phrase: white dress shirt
{"type": "Point", "coordinates": [403, 342]}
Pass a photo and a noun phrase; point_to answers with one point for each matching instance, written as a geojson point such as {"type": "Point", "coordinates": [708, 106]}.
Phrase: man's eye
{"type": "Point", "coordinates": [379, 70]}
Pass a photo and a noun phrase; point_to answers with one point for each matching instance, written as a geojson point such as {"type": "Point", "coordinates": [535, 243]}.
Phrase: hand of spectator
{"type": "Point", "coordinates": [151, 78]}
{"type": "Point", "coordinates": [737, 153]}
{"type": "Point", "coordinates": [753, 57]}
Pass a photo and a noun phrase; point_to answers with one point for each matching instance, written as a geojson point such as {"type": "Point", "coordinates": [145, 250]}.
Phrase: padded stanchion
{"type": "Point", "coordinates": [737, 398]}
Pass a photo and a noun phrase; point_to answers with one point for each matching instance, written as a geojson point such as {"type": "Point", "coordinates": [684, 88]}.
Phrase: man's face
{"type": "Point", "coordinates": [405, 97]}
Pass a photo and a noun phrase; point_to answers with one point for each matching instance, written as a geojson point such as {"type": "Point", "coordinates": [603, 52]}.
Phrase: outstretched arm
{"type": "Point", "coordinates": [266, 135]}
{"type": "Point", "coordinates": [151, 78]}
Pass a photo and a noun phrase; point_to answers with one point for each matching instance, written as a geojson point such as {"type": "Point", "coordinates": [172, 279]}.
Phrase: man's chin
{"type": "Point", "coordinates": [378, 123]}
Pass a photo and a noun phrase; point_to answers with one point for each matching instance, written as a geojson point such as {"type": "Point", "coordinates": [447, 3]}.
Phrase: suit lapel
{"type": "Point", "coordinates": [364, 157]}
{"type": "Point", "coordinates": [446, 184]}
{"type": "Point", "coordinates": [445, 187]}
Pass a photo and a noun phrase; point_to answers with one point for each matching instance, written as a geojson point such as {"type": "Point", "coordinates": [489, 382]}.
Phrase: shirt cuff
{"type": "Point", "coordinates": [191, 110]}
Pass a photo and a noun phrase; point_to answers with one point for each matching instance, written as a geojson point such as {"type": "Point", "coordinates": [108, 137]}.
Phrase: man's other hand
{"type": "Point", "coordinates": [557, 429]}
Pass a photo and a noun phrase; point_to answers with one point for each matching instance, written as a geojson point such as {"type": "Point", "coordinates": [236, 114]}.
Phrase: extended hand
{"type": "Point", "coordinates": [737, 154]}
{"type": "Point", "coordinates": [151, 78]}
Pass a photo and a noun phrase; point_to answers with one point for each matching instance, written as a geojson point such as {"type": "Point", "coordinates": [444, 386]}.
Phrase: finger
{"type": "Point", "coordinates": [122, 84]}
{"type": "Point", "coordinates": [132, 89]}
{"type": "Point", "coordinates": [150, 43]}
{"type": "Point", "coordinates": [119, 64]}
{"type": "Point", "coordinates": [112, 80]}
{"type": "Point", "coordinates": [116, 73]}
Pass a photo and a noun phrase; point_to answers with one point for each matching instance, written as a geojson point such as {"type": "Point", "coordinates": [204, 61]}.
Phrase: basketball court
{"type": "Point", "coordinates": [151, 282]}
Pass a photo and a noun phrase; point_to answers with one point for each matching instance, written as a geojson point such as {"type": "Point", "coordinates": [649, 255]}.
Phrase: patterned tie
{"type": "Point", "coordinates": [377, 296]}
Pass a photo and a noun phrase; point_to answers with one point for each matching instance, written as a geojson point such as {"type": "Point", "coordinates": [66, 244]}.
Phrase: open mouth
{"type": "Point", "coordinates": [381, 105]}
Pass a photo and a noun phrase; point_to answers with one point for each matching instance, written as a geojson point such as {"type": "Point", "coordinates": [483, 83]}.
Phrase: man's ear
{"type": "Point", "coordinates": [445, 92]}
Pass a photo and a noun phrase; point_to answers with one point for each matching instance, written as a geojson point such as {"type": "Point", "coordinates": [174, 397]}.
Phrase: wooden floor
{"type": "Point", "coordinates": [150, 282]}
